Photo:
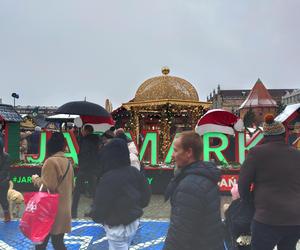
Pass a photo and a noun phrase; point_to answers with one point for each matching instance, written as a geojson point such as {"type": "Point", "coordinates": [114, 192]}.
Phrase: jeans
{"type": "Point", "coordinates": [57, 242]}
{"type": "Point", "coordinates": [80, 188]}
{"type": "Point", "coordinates": [266, 237]}
{"type": "Point", "coordinates": [120, 237]}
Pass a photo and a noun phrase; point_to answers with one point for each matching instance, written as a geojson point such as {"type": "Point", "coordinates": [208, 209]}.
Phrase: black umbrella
{"type": "Point", "coordinates": [82, 108]}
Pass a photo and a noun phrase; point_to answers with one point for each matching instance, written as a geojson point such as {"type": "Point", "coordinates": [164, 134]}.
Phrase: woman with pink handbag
{"type": "Point", "coordinates": [58, 177]}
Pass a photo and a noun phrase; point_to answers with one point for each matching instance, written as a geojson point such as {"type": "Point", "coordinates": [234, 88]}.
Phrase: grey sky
{"type": "Point", "coordinates": [56, 51]}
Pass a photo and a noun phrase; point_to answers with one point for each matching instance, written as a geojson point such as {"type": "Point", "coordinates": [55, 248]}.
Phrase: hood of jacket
{"type": "Point", "coordinates": [115, 154]}
{"type": "Point", "coordinates": [203, 168]}
{"type": "Point", "coordinates": [206, 169]}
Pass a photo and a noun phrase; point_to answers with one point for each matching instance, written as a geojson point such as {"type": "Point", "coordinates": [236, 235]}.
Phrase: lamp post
{"type": "Point", "coordinates": [15, 96]}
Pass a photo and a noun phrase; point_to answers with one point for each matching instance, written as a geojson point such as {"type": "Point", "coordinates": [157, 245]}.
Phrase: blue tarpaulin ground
{"type": "Point", "coordinates": [87, 235]}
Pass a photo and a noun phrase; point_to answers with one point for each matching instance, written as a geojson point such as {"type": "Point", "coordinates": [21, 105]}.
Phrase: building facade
{"type": "Point", "coordinates": [43, 110]}
{"type": "Point", "coordinates": [232, 99]}
{"type": "Point", "coordinates": [259, 102]}
{"type": "Point", "coordinates": [291, 97]}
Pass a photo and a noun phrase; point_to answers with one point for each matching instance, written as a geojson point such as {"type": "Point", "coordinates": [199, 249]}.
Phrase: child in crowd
{"type": "Point", "coordinates": [238, 217]}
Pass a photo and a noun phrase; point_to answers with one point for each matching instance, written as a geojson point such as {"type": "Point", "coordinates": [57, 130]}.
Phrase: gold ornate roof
{"type": "Point", "coordinates": [166, 87]}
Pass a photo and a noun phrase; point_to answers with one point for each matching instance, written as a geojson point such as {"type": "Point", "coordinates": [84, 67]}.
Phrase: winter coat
{"type": "Point", "coordinates": [195, 222]}
{"type": "Point", "coordinates": [274, 168]}
{"type": "Point", "coordinates": [123, 191]}
{"type": "Point", "coordinates": [52, 172]}
{"type": "Point", "coordinates": [4, 167]}
{"type": "Point", "coordinates": [88, 153]}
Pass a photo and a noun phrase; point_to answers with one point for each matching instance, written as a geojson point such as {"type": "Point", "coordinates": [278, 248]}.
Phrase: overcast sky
{"type": "Point", "coordinates": [56, 51]}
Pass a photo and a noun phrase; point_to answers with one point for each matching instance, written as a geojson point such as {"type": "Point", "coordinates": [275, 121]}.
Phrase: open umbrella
{"type": "Point", "coordinates": [219, 120]}
{"type": "Point", "coordinates": [90, 113]}
{"type": "Point", "coordinates": [82, 108]}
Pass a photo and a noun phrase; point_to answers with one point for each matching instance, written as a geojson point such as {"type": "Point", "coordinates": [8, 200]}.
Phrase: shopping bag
{"type": "Point", "coordinates": [39, 215]}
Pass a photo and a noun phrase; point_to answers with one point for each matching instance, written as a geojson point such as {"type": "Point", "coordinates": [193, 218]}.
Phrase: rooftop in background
{"type": "Point", "coordinates": [287, 112]}
{"type": "Point", "coordinates": [166, 87]}
{"type": "Point", "coordinates": [230, 93]}
{"type": "Point", "coordinates": [259, 97]}
{"type": "Point", "coordinates": [9, 114]}
{"type": "Point", "coordinates": [44, 110]}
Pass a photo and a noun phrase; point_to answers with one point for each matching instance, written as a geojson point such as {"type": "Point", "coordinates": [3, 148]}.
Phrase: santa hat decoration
{"type": "Point", "coordinates": [99, 123]}
{"type": "Point", "coordinates": [219, 120]}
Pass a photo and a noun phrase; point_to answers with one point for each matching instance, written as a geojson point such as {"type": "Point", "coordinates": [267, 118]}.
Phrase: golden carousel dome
{"type": "Point", "coordinates": [166, 87]}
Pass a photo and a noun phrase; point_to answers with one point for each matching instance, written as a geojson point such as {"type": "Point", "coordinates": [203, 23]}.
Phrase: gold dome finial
{"type": "Point", "coordinates": [165, 70]}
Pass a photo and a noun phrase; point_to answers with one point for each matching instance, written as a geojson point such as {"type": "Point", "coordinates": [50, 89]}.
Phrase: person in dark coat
{"type": "Point", "coordinates": [195, 222]}
{"type": "Point", "coordinates": [274, 169]}
{"type": "Point", "coordinates": [121, 195]}
{"type": "Point", "coordinates": [4, 181]}
{"type": "Point", "coordinates": [88, 161]}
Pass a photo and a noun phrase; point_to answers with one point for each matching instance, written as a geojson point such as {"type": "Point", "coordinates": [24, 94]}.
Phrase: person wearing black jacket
{"type": "Point", "coordinates": [195, 222]}
{"type": "Point", "coordinates": [121, 195]}
{"type": "Point", "coordinates": [88, 161]}
{"type": "Point", "coordinates": [4, 181]}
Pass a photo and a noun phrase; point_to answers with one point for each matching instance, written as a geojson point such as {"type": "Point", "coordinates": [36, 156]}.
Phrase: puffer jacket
{"type": "Point", "coordinates": [195, 222]}
{"type": "Point", "coordinates": [123, 191]}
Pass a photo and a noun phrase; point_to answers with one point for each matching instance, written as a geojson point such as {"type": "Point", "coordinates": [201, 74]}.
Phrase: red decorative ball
{"type": "Point", "coordinates": [269, 118]}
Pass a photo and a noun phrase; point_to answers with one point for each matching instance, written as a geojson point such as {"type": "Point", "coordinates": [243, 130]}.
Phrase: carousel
{"type": "Point", "coordinates": [165, 104]}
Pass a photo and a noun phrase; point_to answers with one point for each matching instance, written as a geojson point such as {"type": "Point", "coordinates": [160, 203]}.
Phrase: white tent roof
{"type": "Point", "coordinates": [287, 112]}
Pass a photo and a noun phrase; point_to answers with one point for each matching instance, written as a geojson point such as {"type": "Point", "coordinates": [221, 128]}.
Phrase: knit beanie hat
{"type": "Point", "coordinates": [271, 127]}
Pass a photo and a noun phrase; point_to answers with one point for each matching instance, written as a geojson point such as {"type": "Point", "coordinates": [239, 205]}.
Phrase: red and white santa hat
{"type": "Point", "coordinates": [219, 120]}
{"type": "Point", "coordinates": [99, 123]}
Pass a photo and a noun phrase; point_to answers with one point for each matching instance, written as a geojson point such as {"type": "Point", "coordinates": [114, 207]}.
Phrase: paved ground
{"type": "Point", "coordinates": [88, 235]}
{"type": "Point", "coordinates": [157, 209]}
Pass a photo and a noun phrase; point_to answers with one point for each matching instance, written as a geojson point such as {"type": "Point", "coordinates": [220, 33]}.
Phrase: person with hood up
{"type": "Point", "coordinates": [195, 221]}
{"type": "Point", "coordinates": [121, 195]}
{"type": "Point", "coordinates": [4, 181]}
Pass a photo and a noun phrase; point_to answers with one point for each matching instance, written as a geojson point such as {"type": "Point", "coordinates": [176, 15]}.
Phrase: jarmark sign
{"type": "Point", "coordinates": [217, 146]}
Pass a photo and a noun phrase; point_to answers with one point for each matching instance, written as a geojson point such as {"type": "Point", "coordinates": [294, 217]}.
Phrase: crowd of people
{"type": "Point", "coordinates": [264, 213]}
